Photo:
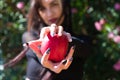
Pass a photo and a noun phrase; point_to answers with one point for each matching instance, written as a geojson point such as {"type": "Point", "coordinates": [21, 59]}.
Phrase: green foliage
{"type": "Point", "coordinates": [12, 25]}
{"type": "Point", "coordinates": [93, 18]}
{"type": "Point", "coordinates": [100, 20]}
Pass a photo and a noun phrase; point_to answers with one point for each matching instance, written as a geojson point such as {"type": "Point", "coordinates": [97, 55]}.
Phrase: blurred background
{"type": "Point", "coordinates": [98, 19]}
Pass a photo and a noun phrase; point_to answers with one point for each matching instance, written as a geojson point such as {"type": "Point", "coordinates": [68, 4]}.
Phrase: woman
{"type": "Point", "coordinates": [44, 13]}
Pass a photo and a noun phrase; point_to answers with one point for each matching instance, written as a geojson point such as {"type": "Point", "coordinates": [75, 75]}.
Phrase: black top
{"type": "Point", "coordinates": [35, 71]}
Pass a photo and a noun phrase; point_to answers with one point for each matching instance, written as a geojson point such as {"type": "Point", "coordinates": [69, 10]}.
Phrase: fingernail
{"type": "Point", "coordinates": [64, 62]}
{"type": "Point", "coordinates": [71, 59]}
{"type": "Point", "coordinates": [48, 51]}
{"type": "Point", "coordinates": [27, 44]}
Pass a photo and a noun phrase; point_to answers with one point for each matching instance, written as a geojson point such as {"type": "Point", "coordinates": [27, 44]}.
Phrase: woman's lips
{"type": "Point", "coordinates": [53, 20]}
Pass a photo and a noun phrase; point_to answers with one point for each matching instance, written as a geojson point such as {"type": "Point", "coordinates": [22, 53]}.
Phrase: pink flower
{"type": "Point", "coordinates": [118, 29]}
{"type": "Point", "coordinates": [117, 6]}
{"type": "Point", "coordinates": [74, 10]}
{"type": "Point", "coordinates": [111, 35]}
{"type": "Point", "coordinates": [116, 66]}
{"type": "Point", "coordinates": [98, 26]}
{"type": "Point", "coordinates": [116, 39]}
{"type": "Point", "coordinates": [102, 21]}
{"type": "Point", "coordinates": [20, 5]}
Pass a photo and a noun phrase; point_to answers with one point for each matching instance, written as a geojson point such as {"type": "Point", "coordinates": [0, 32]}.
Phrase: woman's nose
{"type": "Point", "coordinates": [49, 13]}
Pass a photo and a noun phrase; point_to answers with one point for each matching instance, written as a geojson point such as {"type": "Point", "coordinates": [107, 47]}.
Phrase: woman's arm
{"type": "Point", "coordinates": [15, 60]}
{"type": "Point", "coordinates": [26, 37]}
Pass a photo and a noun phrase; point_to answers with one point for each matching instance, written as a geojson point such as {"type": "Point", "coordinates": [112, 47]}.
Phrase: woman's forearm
{"type": "Point", "coordinates": [17, 58]}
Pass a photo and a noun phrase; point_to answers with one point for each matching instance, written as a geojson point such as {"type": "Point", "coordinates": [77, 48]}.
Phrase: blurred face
{"type": "Point", "coordinates": [51, 11]}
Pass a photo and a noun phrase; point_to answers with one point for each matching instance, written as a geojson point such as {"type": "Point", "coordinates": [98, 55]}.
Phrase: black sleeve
{"type": "Point", "coordinates": [82, 45]}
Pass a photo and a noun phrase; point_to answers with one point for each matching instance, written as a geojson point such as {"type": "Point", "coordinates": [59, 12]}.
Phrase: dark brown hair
{"type": "Point", "coordinates": [36, 23]}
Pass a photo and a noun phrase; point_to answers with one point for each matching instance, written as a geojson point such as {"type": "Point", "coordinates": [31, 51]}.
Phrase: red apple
{"type": "Point", "coordinates": [58, 46]}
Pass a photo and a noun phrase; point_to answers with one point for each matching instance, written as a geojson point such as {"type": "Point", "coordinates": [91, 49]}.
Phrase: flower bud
{"type": "Point", "coordinates": [20, 5]}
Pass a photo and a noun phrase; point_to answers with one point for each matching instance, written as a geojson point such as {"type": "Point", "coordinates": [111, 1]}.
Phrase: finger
{"type": "Point", "coordinates": [44, 31]}
{"type": "Point", "coordinates": [53, 29]}
{"type": "Point", "coordinates": [68, 36]}
{"type": "Point", "coordinates": [69, 57]}
{"type": "Point", "coordinates": [58, 68]}
{"type": "Point", "coordinates": [48, 64]}
{"type": "Point", "coordinates": [70, 54]}
{"type": "Point", "coordinates": [68, 63]}
{"type": "Point", "coordinates": [42, 34]}
{"type": "Point", "coordinates": [65, 63]}
{"type": "Point", "coordinates": [60, 30]}
{"type": "Point", "coordinates": [45, 55]}
{"type": "Point", "coordinates": [35, 46]}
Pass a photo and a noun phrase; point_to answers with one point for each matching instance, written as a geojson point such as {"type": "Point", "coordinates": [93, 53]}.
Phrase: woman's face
{"type": "Point", "coordinates": [51, 11]}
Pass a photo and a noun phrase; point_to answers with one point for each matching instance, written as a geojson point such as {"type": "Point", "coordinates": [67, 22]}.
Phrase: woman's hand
{"type": "Point", "coordinates": [57, 67]}
{"type": "Point", "coordinates": [64, 64]}
{"type": "Point", "coordinates": [34, 45]}
{"type": "Point", "coordinates": [54, 29]}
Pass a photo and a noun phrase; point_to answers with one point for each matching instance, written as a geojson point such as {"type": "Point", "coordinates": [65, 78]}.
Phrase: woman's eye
{"type": "Point", "coordinates": [41, 8]}
{"type": "Point", "coordinates": [55, 4]}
